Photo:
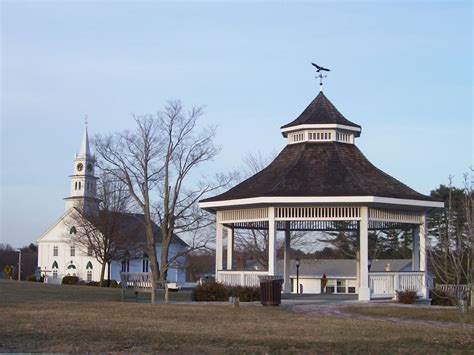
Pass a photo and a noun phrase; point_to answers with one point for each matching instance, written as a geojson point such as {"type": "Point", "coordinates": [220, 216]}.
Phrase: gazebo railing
{"type": "Point", "coordinates": [385, 284]}
{"type": "Point", "coordinates": [240, 278]}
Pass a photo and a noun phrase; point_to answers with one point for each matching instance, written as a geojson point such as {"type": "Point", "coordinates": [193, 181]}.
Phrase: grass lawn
{"type": "Point", "coordinates": [48, 318]}
{"type": "Point", "coordinates": [438, 314]}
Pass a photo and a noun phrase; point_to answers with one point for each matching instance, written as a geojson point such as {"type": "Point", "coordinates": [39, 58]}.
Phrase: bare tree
{"type": "Point", "coordinates": [155, 161]}
{"type": "Point", "coordinates": [133, 157]}
{"type": "Point", "coordinates": [185, 147]}
{"type": "Point", "coordinates": [102, 231]}
{"type": "Point", "coordinates": [452, 233]}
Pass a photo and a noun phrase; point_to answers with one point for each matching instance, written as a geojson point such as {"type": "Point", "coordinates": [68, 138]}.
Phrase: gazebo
{"type": "Point", "coordinates": [321, 181]}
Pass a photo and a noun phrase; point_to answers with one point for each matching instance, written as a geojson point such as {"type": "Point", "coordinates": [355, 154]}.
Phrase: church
{"type": "Point", "coordinates": [59, 253]}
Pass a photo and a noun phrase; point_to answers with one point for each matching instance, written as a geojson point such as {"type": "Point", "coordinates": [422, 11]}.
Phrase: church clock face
{"type": "Point", "coordinates": [89, 167]}
{"type": "Point", "coordinates": [79, 167]}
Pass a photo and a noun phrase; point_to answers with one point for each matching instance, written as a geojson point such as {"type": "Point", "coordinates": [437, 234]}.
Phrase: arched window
{"type": "Point", "coordinates": [89, 265]}
{"type": "Point", "coordinates": [75, 185]}
{"type": "Point", "coordinates": [70, 267]}
{"type": "Point", "coordinates": [79, 185]}
{"type": "Point", "coordinates": [55, 265]}
{"type": "Point", "coordinates": [89, 276]}
{"type": "Point", "coordinates": [145, 263]}
{"type": "Point", "coordinates": [73, 230]}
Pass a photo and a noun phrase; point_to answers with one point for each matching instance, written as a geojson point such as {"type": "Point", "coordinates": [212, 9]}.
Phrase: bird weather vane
{"type": "Point", "coordinates": [320, 75]}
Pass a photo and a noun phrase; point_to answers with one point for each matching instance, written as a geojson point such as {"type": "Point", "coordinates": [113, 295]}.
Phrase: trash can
{"type": "Point", "coordinates": [270, 290]}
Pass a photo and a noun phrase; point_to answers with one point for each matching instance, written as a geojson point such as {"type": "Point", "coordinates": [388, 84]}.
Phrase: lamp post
{"type": "Point", "coordinates": [297, 275]}
{"type": "Point", "coordinates": [19, 265]}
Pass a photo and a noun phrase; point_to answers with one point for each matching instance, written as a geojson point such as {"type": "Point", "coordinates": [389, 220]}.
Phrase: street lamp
{"type": "Point", "coordinates": [297, 275]}
{"type": "Point", "coordinates": [19, 264]}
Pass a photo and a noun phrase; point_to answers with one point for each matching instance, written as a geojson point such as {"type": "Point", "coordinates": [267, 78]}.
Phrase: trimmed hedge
{"type": "Point", "coordinates": [406, 296]}
{"type": "Point", "coordinates": [215, 291]}
{"type": "Point", "coordinates": [70, 280]}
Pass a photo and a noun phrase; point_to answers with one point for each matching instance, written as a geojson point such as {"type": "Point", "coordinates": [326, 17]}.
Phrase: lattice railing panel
{"type": "Point", "coordinates": [378, 214]}
{"type": "Point", "coordinates": [250, 214]}
{"type": "Point", "coordinates": [317, 213]}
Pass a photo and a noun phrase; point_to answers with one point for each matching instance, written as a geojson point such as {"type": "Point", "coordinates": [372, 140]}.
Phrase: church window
{"type": "Point", "coordinates": [75, 185]}
{"type": "Point", "coordinates": [55, 274]}
{"type": "Point", "coordinates": [89, 265]}
{"type": "Point", "coordinates": [73, 230]}
{"type": "Point", "coordinates": [55, 250]}
{"type": "Point", "coordinates": [73, 250]}
{"type": "Point", "coordinates": [89, 276]}
{"type": "Point", "coordinates": [125, 265]}
{"type": "Point", "coordinates": [72, 267]}
{"type": "Point", "coordinates": [79, 185]}
{"type": "Point", "coordinates": [89, 251]}
{"type": "Point", "coordinates": [55, 265]}
{"type": "Point", "coordinates": [145, 263]}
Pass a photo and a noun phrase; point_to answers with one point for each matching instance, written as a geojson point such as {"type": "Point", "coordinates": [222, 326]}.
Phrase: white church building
{"type": "Point", "coordinates": [59, 255]}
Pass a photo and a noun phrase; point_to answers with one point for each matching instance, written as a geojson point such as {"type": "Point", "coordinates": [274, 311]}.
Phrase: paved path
{"type": "Point", "coordinates": [340, 310]}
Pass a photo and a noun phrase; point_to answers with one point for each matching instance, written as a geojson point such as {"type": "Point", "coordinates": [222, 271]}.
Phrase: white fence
{"type": "Point", "coordinates": [242, 278]}
{"type": "Point", "coordinates": [385, 284]}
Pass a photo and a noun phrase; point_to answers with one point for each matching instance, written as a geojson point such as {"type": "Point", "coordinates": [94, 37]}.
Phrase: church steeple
{"type": "Point", "coordinates": [83, 182]}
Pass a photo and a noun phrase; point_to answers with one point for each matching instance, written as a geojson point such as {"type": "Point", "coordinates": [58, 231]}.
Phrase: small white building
{"type": "Point", "coordinates": [59, 255]}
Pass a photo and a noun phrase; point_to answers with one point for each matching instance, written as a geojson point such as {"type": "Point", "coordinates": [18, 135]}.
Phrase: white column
{"type": "Point", "coordinates": [219, 233]}
{"type": "Point", "coordinates": [230, 247]}
{"type": "Point", "coordinates": [415, 256]}
{"type": "Point", "coordinates": [287, 260]}
{"type": "Point", "coordinates": [423, 251]}
{"type": "Point", "coordinates": [364, 290]}
{"type": "Point", "coordinates": [271, 242]}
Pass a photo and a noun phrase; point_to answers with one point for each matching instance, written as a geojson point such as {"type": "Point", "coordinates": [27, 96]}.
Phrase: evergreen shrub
{"type": "Point", "coordinates": [215, 291]}
{"type": "Point", "coordinates": [70, 280]}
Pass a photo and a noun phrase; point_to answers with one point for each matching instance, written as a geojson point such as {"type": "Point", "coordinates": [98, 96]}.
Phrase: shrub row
{"type": "Point", "coordinates": [215, 291]}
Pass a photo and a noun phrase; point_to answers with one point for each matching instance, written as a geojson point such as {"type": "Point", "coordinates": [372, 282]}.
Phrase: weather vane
{"type": "Point", "coordinates": [320, 75]}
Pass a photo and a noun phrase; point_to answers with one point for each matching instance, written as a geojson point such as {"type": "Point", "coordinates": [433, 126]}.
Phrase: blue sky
{"type": "Point", "coordinates": [402, 70]}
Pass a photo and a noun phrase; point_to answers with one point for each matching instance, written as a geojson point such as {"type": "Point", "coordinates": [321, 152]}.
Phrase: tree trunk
{"type": "Point", "coordinates": [102, 273]}
{"type": "Point", "coordinates": [165, 245]}
{"type": "Point", "coordinates": [155, 270]}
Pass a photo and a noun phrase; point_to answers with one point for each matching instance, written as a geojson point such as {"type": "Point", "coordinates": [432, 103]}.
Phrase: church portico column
{"type": "Point", "coordinates": [364, 290]}
{"type": "Point", "coordinates": [287, 260]}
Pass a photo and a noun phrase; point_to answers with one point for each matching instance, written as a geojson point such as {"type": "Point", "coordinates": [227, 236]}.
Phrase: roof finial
{"type": "Point", "coordinates": [320, 75]}
{"type": "Point", "coordinates": [86, 120]}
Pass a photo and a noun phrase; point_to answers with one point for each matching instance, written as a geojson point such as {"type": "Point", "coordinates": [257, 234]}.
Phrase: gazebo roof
{"type": "Point", "coordinates": [321, 111]}
{"type": "Point", "coordinates": [320, 169]}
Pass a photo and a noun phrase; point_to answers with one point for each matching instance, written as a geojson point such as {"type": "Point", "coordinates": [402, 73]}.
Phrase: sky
{"type": "Point", "coordinates": [400, 69]}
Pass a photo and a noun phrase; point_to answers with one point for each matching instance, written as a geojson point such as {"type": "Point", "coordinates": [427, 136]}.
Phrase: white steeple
{"type": "Point", "coordinates": [85, 151]}
{"type": "Point", "coordinates": [83, 182]}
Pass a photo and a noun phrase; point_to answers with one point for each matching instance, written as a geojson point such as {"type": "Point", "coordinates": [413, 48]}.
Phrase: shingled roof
{"type": "Point", "coordinates": [320, 169]}
{"type": "Point", "coordinates": [321, 111]}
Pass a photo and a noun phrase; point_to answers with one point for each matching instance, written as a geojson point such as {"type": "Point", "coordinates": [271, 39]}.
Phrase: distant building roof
{"type": "Point", "coordinates": [341, 268]}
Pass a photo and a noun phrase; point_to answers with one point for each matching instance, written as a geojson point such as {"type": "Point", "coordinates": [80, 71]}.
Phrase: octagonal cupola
{"type": "Point", "coordinates": [321, 122]}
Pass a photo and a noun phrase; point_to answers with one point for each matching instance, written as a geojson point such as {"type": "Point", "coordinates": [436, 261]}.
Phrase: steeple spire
{"type": "Point", "coordinates": [85, 151]}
